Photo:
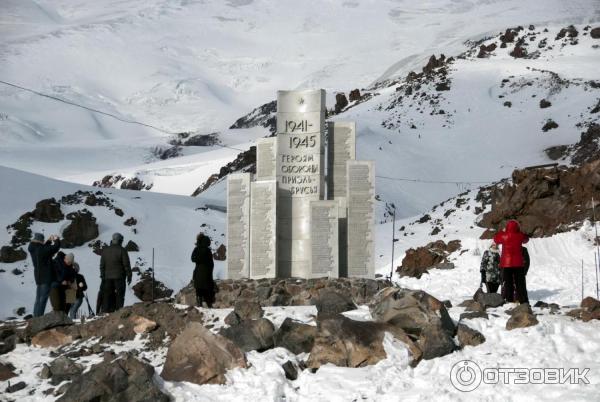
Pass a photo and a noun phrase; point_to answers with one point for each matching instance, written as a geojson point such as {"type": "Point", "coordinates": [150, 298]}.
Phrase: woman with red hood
{"type": "Point", "coordinates": [512, 262]}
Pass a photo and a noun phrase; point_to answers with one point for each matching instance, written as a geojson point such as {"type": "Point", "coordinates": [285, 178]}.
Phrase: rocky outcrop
{"type": "Point", "coordinates": [221, 253]}
{"type": "Point", "coordinates": [331, 302]}
{"type": "Point", "coordinates": [285, 292]}
{"type": "Point", "coordinates": [136, 184]}
{"type": "Point", "coordinates": [545, 201]}
{"type": "Point", "coordinates": [122, 379]}
{"type": "Point", "coordinates": [199, 356]}
{"type": "Point", "coordinates": [51, 339]}
{"type": "Point", "coordinates": [340, 102]}
{"type": "Point", "coordinates": [143, 288]}
{"type": "Point", "coordinates": [8, 340]}
{"type": "Point", "coordinates": [48, 210]}
{"type": "Point", "coordinates": [263, 116]}
{"type": "Point", "coordinates": [468, 336]}
{"type": "Point", "coordinates": [595, 33]}
{"type": "Point", "coordinates": [251, 334]}
{"type": "Point", "coordinates": [588, 148]}
{"type": "Point", "coordinates": [83, 228]}
{"type": "Point", "coordinates": [51, 320]}
{"type": "Point", "coordinates": [9, 254]}
{"type": "Point", "coordinates": [124, 325]}
{"type": "Point", "coordinates": [418, 261]}
{"type": "Point", "coordinates": [590, 310]}
{"type": "Point", "coordinates": [349, 343]}
{"type": "Point", "coordinates": [521, 317]}
{"type": "Point", "coordinates": [295, 336]}
{"type": "Point", "coordinates": [420, 315]}
{"type": "Point", "coordinates": [7, 371]}
{"type": "Point", "coordinates": [488, 299]}
{"type": "Point", "coordinates": [244, 162]}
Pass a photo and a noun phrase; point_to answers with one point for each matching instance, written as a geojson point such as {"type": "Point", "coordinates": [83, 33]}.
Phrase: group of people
{"type": "Point", "coordinates": [507, 269]}
{"type": "Point", "coordinates": [57, 277]}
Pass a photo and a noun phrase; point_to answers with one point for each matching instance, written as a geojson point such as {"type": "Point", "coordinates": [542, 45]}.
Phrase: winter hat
{"type": "Point", "coordinates": [76, 267]}
{"type": "Point", "coordinates": [117, 238]}
{"type": "Point", "coordinates": [69, 259]}
{"type": "Point", "coordinates": [38, 237]}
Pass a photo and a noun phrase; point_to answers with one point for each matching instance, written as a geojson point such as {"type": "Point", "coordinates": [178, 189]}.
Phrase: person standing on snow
{"type": "Point", "coordinates": [490, 268]}
{"type": "Point", "coordinates": [41, 255]}
{"type": "Point", "coordinates": [512, 262]}
{"type": "Point", "coordinates": [81, 287]}
{"type": "Point", "coordinates": [203, 273]}
{"type": "Point", "coordinates": [114, 268]}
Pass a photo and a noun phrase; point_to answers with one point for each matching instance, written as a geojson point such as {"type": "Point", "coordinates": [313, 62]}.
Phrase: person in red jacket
{"type": "Point", "coordinates": [512, 262]}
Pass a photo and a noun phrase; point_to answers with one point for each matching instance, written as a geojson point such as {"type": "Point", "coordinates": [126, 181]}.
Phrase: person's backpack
{"type": "Point", "coordinates": [526, 260]}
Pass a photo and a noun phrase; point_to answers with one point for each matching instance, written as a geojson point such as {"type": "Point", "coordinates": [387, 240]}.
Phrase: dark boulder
{"type": "Point", "coordinates": [7, 371]}
{"type": "Point", "coordinates": [488, 299]}
{"type": "Point", "coordinates": [521, 317]}
{"type": "Point", "coordinates": [545, 103]}
{"type": "Point", "coordinates": [63, 369]}
{"type": "Point", "coordinates": [420, 315]}
{"type": "Point", "coordinates": [418, 261]}
{"type": "Point", "coordinates": [8, 340]}
{"type": "Point", "coordinates": [291, 373]}
{"type": "Point", "coordinates": [12, 388]}
{"type": "Point", "coordinates": [251, 334]}
{"type": "Point", "coordinates": [83, 228]}
{"type": "Point", "coordinates": [354, 95]}
{"type": "Point", "coordinates": [595, 33]}
{"type": "Point", "coordinates": [468, 336]}
{"type": "Point", "coordinates": [48, 210]}
{"type": "Point", "coordinates": [295, 336]}
{"type": "Point", "coordinates": [340, 102]}
{"type": "Point", "coordinates": [9, 254]}
{"type": "Point", "coordinates": [130, 221]}
{"type": "Point", "coordinates": [331, 302]}
{"type": "Point", "coordinates": [201, 357]}
{"type": "Point", "coordinates": [143, 288]}
{"type": "Point", "coordinates": [472, 315]}
{"type": "Point", "coordinates": [122, 379]}
{"type": "Point", "coordinates": [549, 125]}
{"type": "Point", "coordinates": [221, 253]}
{"type": "Point", "coordinates": [52, 319]}
{"type": "Point", "coordinates": [349, 343]}
{"type": "Point", "coordinates": [132, 247]}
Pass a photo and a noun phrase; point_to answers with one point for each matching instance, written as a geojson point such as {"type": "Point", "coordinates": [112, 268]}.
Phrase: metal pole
{"type": "Point", "coordinates": [596, 268]}
{"type": "Point", "coordinates": [152, 274]}
{"type": "Point", "coordinates": [582, 279]}
{"type": "Point", "coordinates": [393, 234]}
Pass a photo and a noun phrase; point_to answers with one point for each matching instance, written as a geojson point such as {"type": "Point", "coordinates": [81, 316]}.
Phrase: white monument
{"type": "Point", "coordinates": [285, 221]}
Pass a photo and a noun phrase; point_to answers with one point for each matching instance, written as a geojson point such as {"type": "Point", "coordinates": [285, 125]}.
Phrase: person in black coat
{"type": "Point", "coordinates": [41, 255]}
{"type": "Point", "coordinates": [81, 287]}
{"type": "Point", "coordinates": [114, 269]}
{"type": "Point", "coordinates": [203, 273]}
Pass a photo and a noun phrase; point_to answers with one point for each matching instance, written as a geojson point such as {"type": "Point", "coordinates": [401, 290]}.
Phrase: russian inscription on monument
{"type": "Point", "coordinates": [238, 225]}
{"type": "Point", "coordinates": [292, 231]}
{"type": "Point", "coordinates": [263, 250]}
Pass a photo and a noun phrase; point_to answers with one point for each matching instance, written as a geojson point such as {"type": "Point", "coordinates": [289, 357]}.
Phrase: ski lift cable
{"type": "Point", "coordinates": [128, 121]}
{"type": "Point", "coordinates": [462, 182]}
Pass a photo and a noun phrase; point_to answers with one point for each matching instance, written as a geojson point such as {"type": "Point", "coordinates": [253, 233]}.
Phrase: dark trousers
{"type": "Point", "coordinates": [113, 297]}
{"type": "Point", "coordinates": [515, 285]}
{"type": "Point", "coordinates": [492, 287]}
{"type": "Point", "coordinates": [57, 298]}
{"type": "Point", "coordinates": [42, 293]}
{"type": "Point", "coordinates": [205, 295]}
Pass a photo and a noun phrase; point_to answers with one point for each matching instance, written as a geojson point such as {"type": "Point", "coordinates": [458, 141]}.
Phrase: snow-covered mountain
{"type": "Point", "coordinates": [517, 86]}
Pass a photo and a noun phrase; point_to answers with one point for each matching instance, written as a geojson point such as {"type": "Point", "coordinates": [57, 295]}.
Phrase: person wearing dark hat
{"type": "Point", "coordinates": [203, 273]}
{"type": "Point", "coordinates": [114, 269]}
{"type": "Point", "coordinates": [41, 255]}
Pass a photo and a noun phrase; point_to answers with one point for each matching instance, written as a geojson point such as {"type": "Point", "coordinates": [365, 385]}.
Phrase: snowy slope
{"type": "Point", "coordinates": [165, 222]}
{"type": "Point", "coordinates": [197, 66]}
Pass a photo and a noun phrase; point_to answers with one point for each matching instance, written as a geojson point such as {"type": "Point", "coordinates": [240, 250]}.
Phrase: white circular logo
{"type": "Point", "coordinates": [465, 376]}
